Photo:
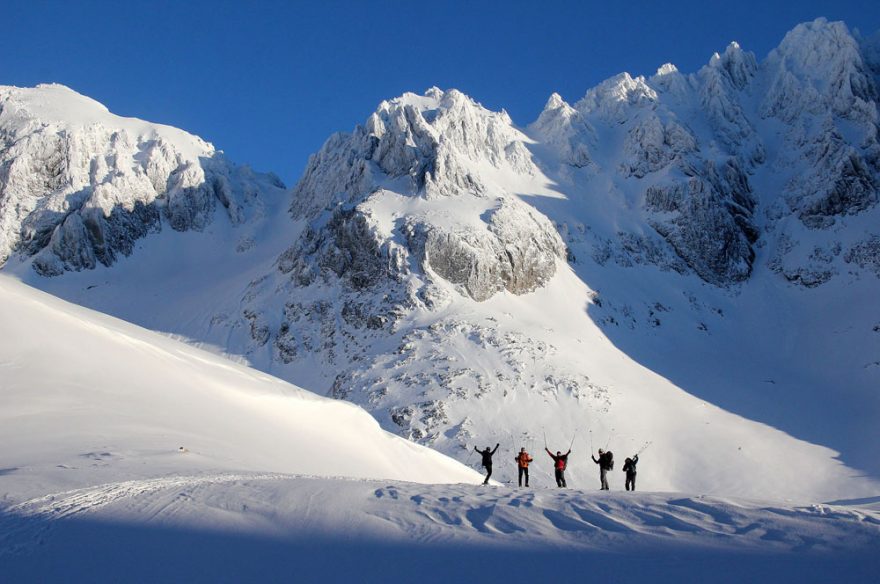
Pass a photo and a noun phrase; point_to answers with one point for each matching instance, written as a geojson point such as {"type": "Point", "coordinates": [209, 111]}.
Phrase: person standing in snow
{"type": "Point", "coordinates": [606, 463]}
{"type": "Point", "coordinates": [487, 461]}
{"type": "Point", "coordinates": [522, 461]}
{"type": "Point", "coordinates": [629, 467]}
{"type": "Point", "coordinates": [560, 462]}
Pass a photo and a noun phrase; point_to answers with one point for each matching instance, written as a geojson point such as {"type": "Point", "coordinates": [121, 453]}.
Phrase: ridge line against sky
{"type": "Point", "coordinates": [269, 81]}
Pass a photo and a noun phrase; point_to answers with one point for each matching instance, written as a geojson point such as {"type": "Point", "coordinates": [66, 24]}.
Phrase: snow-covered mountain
{"type": "Point", "coordinates": [687, 259]}
{"type": "Point", "coordinates": [79, 185]}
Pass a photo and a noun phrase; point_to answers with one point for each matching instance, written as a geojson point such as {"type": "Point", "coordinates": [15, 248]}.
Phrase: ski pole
{"type": "Point", "coordinates": [591, 442]}
{"type": "Point", "coordinates": [545, 436]}
{"type": "Point", "coordinates": [609, 438]}
{"type": "Point", "coordinates": [572, 439]}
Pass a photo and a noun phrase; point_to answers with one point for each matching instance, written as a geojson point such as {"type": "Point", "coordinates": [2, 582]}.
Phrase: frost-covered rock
{"type": "Point", "coordinates": [818, 68]}
{"type": "Point", "coordinates": [650, 145]}
{"type": "Point", "coordinates": [614, 99]}
{"type": "Point", "coordinates": [433, 145]}
{"type": "Point", "coordinates": [516, 251]}
{"type": "Point", "coordinates": [414, 150]}
{"type": "Point", "coordinates": [720, 83]}
{"type": "Point", "coordinates": [79, 185]}
{"type": "Point", "coordinates": [564, 128]}
{"type": "Point", "coordinates": [708, 222]}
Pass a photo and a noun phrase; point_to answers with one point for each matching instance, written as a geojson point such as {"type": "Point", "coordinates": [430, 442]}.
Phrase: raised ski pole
{"type": "Point", "coordinates": [572, 439]}
{"type": "Point", "coordinates": [545, 437]}
{"type": "Point", "coordinates": [645, 447]}
{"type": "Point", "coordinates": [609, 438]}
{"type": "Point", "coordinates": [591, 442]}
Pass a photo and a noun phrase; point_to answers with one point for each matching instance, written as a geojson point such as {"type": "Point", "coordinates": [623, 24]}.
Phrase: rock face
{"type": "Point", "coordinates": [79, 186]}
{"type": "Point", "coordinates": [694, 147]}
{"type": "Point", "coordinates": [380, 197]}
{"type": "Point", "coordinates": [516, 252]}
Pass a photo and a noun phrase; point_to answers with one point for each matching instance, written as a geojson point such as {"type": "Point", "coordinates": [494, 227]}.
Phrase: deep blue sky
{"type": "Point", "coordinates": [268, 81]}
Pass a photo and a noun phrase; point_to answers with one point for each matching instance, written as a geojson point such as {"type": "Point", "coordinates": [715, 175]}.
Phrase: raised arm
{"type": "Point", "coordinates": [550, 453]}
{"type": "Point", "coordinates": [569, 452]}
{"type": "Point", "coordinates": [594, 459]}
{"type": "Point", "coordinates": [496, 448]}
{"type": "Point", "coordinates": [477, 450]}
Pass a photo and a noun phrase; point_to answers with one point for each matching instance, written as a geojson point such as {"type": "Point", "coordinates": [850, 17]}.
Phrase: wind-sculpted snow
{"type": "Point", "coordinates": [79, 186]}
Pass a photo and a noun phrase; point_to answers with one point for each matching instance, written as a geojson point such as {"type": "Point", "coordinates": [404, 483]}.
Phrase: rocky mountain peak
{"type": "Point", "coordinates": [79, 185]}
{"type": "Point", "coordinates": [613, 97]}
{"type": "Point", "coordinates": [563, 128]}
{"type": "Point", "coordinates": [427, 148]}
{"type": "Point", "coordinates": [817, 67]}
{"type": "Point", "coordinates": [738, 66]}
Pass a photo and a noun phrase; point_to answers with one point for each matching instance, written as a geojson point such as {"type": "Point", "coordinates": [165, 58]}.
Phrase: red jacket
{"type": "Point", "coordinates": [559, 462]}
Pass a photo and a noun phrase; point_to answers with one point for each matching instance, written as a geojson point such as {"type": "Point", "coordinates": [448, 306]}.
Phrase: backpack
{"type": "Point", "coordinates": [609, 460]}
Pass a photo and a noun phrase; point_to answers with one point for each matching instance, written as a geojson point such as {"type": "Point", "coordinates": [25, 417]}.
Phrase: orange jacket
{"type": "Point", "coordinates": [523, 459]}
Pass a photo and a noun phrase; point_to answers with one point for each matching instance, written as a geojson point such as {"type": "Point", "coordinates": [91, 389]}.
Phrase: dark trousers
{"type": "Point", "coordinates": [630, 481]}
{"type": "Point", "coordinates": [488, 473]}
{"type": "Point", "coordinates": [560, 477]}
{"type": "Point", "coordinates": [603, 478]}
{"type": "Point", "coordinates": [523, 471]}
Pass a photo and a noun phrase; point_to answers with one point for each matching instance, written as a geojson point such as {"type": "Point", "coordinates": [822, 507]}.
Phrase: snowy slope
{"type": "Point", "coordinates": [648, 264]}
{"type": "Point", "coordinates": [90, 399]}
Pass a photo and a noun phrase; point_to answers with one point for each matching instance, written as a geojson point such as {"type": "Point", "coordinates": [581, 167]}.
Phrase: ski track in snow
{"type": "Point", "coordinates": [282, 505]}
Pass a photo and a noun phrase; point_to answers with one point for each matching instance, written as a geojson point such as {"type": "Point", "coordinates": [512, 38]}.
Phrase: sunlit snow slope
{"type": "Point", "coordinates": [90, 399]}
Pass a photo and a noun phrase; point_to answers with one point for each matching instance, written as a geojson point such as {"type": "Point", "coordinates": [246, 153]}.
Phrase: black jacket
{"type": "Point", "coordinates": [605, 460]}
{"type": "Point", "coordinates": [487, 455]}
{"type": "Point", "coordinates": [629, 467]}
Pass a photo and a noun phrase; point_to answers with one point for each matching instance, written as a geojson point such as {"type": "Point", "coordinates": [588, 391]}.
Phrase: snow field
{"type": "Point", "coordinates": [280, 526]}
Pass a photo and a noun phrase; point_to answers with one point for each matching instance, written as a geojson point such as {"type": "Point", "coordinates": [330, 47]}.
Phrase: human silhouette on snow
{"type": "Point", "coordinates": [629, 467]}
{"type": "Point", "coordinates": [487, 461]}
{"type": "Point", "coordinates": [560, 462]}
{"type": "Point", "coordinates": [606, 463]}
{"type": "Point", "coordinates": [522, 461]}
